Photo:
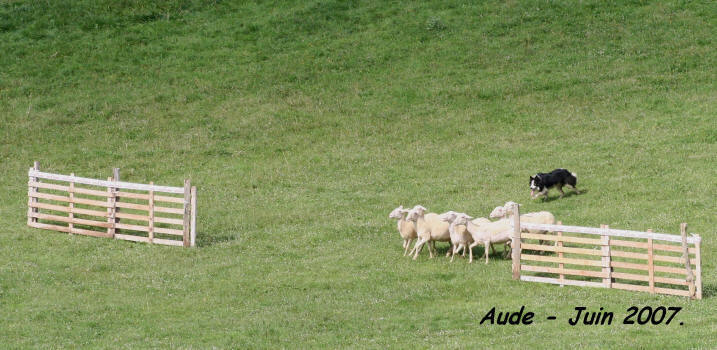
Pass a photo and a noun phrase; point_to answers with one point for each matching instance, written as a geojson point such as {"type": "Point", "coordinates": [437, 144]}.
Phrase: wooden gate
{"type": "Point", "coordinates": [112, 208]}
{"type": "Point", "coordinates": [607, 258]}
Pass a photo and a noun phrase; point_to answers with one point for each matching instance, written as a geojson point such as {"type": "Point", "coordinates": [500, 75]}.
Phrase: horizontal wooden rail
{"type": "Point", "coordinates": [607, 232]}
{"type": "Point", "coordinates": [104, 183]}
{"type": "Point", "coordinates": [550, 248]}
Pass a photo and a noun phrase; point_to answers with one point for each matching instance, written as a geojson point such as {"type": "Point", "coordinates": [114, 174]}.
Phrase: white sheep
{"type": "Point", "coordinates": [407, 229]}
{"type": "Point", "coordinates": [486, 233]}
{"type": "Point", "coordinates": [429, 228]}
{"type": "Point", "coordinates": [541, 217]}
{"type": "Point", "coordinates": [460, 238]}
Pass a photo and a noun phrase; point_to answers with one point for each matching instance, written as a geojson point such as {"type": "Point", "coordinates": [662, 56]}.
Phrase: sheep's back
{"type": "Point", "coordinates": [437, 227]}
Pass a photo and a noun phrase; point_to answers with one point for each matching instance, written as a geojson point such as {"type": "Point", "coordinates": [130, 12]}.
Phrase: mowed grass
{"type": "Point", "coordinates": [304, 123]}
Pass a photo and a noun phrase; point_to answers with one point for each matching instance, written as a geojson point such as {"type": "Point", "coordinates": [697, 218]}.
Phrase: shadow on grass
{"type": "Point", "coordinates": [568, 194]}
{"type": "Point", "coordinates": [208, 241]}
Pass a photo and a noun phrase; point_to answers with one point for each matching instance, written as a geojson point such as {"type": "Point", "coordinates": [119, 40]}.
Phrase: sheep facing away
{"type": "Point", "coordinates": [429, 228]}
{"type": "Point", "coordinates": [541, 217]}
{"type": "Point", "coordinates": [407, 229]}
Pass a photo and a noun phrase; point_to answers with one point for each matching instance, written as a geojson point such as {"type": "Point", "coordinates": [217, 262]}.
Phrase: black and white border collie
{"type": "Point", "coordinates": [542, 182]}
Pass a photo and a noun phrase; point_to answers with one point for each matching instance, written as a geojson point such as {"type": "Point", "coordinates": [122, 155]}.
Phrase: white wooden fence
{"type": "Point", "coordinates": [607, 258]}
{"type": "Point", "coordinates": [112, 208]}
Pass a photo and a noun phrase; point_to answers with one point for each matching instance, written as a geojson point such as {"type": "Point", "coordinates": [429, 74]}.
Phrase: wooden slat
{"type": "Point", "coordinates": [561, 260]}
{"type": "Point", "coordinates": [564, 271]}
{"type": "Point", "coordinates": [561, 249]}
{"type": "Point", "coordinates": [168, 220]}
{"type": "Point", "coordinates": [132, 227]}
{"type": "Point", "coordinates": [71, 220]}
{"type": "Point", "coordinates": [178, 211]}
{"type": "Point", "coordinates": [646, 278]}
{"type": "Point", "coordinates": [670, 291]}
{"type": "Point", "coordinates": [67, 199]}
{"type": "Point", "coordinates": [557, 281]}
{"type": "Point", "coordinates": [131, 238]}
{"type": "Point", "coordinates": [145, 196]}
{"type": "Point", "coordinates": [608, 232]}
{"type": "Point", "coordinates": [168, 231]}
{"type": "Point", "coordinates": [631, 255]}
{"type": "Point", "coordinates": [67, 230]}
{"type": "Point", "coordinates": [102, 183]}
{"type": "Point", "coordinates": [678, 281]}
{"type": "Point", "coordinates": [633, 287]}
{"type": "Point", "coordinates": [132, 206]}
{"type": "Point", "coordinates": [672, 248]}
{"type": "Point", "coordinates": [676, 270]}
{"type": "Point", "coordinates": [171, 242]}
{"type": "Point", "coordinates": [568, 239]}
{"type": "Point", "coordinates": [79, 190]}
{"type": "Point", "coordinates": [632, 244]}
{"type": "Point", "coordinates": [625, 265]}
{"type": "Point", "coordinates": [67, 209]}
{"type": "Point", "coordinates": [630, 276]}
{"type": "Point", "coordinates": [671, 259]}
{"type": "Point", "coordinates": [132, 216]}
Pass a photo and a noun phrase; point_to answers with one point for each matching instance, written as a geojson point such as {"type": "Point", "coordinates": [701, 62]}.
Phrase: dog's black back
{"type": "Point", "coordinates": [556, 178]}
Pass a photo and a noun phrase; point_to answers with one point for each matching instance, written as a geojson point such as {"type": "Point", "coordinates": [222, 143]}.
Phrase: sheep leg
{"type": "Point", "coordinates": [492, 249]}
{"type": "Point", "coordinates": [470, 250]}
{"type": "Point", "coordinates": [431, 249]}
{"type": "Point", "coordinates": [487, 244]}
{"type": "Point", "coordinates": [406, 244]}
{"type": "Point", "coordinates": [453, 252]}
{"type": "Point", "coordinates": [418, 247]}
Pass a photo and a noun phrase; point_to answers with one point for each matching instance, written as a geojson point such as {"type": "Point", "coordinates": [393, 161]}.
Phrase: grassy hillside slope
{"type": "Point", "coordinates": [304, 123]}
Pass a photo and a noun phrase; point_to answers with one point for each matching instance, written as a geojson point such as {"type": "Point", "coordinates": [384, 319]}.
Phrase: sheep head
{"type": "Point", "coordinates": [415, 213]}
{"type": "Point", "coordinates": [498, 212]}
{"type": "Point", "coordinates": [448, 216]}
{"type": "Point", "coordinates": [397, 213]}
{"type": "Point", "coordinates": [462, 219]}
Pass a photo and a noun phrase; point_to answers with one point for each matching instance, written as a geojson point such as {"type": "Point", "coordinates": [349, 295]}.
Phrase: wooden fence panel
{"type": "Point", "coordinates": [620, 259]}
{"type": "Point", "coordinates": [143, 219]}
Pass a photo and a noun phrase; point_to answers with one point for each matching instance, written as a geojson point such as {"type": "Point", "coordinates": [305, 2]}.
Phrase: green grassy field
{"type": "Point", "coordinates": [304, 123]}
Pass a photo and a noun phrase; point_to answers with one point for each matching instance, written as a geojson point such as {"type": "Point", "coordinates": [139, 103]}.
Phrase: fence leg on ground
{"type": "Point", "coordinates": [606, 260]}
{"type": "Point", "coordinates": [187, 212]}
{"type": "Point", "coordinates": [515, 243]}
{"type": "Point", "coordinates": [686, 254]}
{"type": "Point", "coordinates": [559, 244]}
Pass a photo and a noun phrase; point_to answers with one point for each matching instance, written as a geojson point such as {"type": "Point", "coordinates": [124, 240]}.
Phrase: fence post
{"type": "Point", "coordinates": [559, 244]}
{"type": "Point", "coordinates": [698, 269]}
{"type": "Point", "coordinates": [515, 243]}
{"type": "Point", "coordinates": [111, 209]}
{"type": "Point", "coordinates": [187, 212]}
{"type": "Point", "coordinates": [31, 199]}
{"type": "Point", "coordinates": [650, 264]}
{"type": "Point", "coordinates": [116, 178]}
{"type": "Point", "coordinates": [606, 259]}
{"type": "Point", "coordinates": [686, 255]}
{"type": "Point", "coordinates": [193, 230]}
{"type": "Point", "coordinates": [71, 214]}
{"type": "Point", "coordinates": [150, 223]}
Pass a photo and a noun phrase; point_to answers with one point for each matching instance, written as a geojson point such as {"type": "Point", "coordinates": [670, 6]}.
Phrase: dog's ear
{"type": "Point", "coordinates": [531, 178]}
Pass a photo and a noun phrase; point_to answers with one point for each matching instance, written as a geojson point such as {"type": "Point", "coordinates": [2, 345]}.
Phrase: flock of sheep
{"type": "Point", "coordinates": [460, 230]}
